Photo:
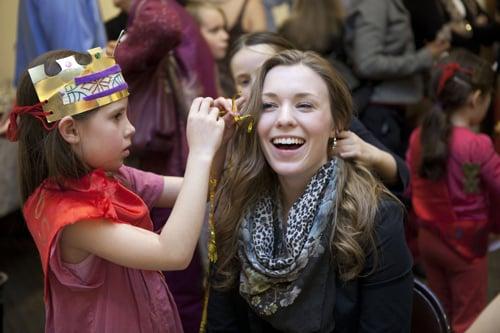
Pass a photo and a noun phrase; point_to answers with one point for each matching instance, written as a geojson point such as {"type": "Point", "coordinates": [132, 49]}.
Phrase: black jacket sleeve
{"type": "Point", "coordinates": [385, 293]}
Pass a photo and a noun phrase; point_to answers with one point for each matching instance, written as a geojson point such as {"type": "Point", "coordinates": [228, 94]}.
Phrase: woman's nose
{"type": "Point", "coordinates": [285, 116]}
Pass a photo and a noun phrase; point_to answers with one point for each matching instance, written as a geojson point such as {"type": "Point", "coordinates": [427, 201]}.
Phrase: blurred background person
{"type": "Point", "coordinates": [243, 16]}
{"type": "Point", "coordinates": [45, 25]}
{"type": "Point", "coordinates": [455, 186]}
{"type": "Point", "coordinates": [212, 22]}
{"type": "Point", "coordinates": [464, 22]}
{"type": "Point", "coordinates": [382, 50]}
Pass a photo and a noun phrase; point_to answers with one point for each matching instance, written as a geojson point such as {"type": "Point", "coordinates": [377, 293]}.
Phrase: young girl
{"type": "Point", "coordinates": [87, 213]}
{"type": "Point", "coordinates": [307, 242]}
{"type": "Point", "coordinates": [454, 174]}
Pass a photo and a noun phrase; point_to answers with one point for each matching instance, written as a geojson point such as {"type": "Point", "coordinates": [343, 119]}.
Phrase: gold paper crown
{"type": "Point", "coordinates": [79, 88]}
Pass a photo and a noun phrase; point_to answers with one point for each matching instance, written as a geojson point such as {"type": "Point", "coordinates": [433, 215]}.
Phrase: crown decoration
{"type": "Point", "coordinates": [79, 88]}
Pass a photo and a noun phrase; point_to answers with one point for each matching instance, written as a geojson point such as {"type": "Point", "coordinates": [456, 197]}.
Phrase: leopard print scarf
{"type": "Point", "coordinates": [274, 257]}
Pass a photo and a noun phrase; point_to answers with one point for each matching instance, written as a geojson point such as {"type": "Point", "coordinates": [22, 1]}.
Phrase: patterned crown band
{"type": "Point", "coordinates": [79, 88]}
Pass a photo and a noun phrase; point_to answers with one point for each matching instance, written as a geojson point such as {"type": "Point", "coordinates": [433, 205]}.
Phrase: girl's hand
{"type": "Point", "coordinates": [204, 128]}
{"type": "Point", "coordinates": [225, 105]}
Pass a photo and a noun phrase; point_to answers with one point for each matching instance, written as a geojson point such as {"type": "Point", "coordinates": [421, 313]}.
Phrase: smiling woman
{"type": "Point", "coordinates": [296, 124]}
{"type": "Point", "coordinates": [303, 234]}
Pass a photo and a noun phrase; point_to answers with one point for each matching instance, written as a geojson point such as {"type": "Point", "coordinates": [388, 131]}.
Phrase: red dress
{"type": "Point", "coordinates": [454, 213]}
{"type": "Point", "coordinates": [97, 295]}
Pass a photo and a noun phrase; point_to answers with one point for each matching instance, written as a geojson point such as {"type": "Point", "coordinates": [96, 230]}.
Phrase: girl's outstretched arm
{"type": "Point", "coordinates": [173, 248]}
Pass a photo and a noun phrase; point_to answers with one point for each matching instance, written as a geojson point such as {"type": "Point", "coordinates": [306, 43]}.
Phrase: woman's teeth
{"type": "Point", "coordinates": [287, 143]}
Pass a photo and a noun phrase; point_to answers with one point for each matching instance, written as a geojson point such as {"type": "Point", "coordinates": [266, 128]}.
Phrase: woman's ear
{"type": "Point", "coordinates": [68, 130]}
{"type": "Point", "coordinates": [334, 133]}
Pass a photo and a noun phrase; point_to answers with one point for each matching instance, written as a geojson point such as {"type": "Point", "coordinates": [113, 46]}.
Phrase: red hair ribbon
{"type": "Point", "coordinates": [448, 70]}
{"type": "Point", "coordinates": [33, 110]}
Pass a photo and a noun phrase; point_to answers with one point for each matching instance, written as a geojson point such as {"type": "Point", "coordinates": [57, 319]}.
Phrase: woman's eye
{"type": "Point", "coordinates": [267, 106]}
{"type": "Point", "coordinates": [118, 115]}
{"type": "Point", "coordinates": [304, 106]}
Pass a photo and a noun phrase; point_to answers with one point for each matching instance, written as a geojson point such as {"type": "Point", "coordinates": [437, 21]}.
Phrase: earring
{"type": "Point", "coordinates": [334, 143]}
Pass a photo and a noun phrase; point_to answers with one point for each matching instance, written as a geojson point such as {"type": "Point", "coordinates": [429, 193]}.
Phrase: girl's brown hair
{"type": "Point", "coordinates": [275, 41]}
{"type": "Point", "coordinates": [249, 175]}
{"type": "Point", "coordinates": [195, 6]}
{"type": "Point", "coordinates": [474, 74]}
{"type": "Point", "coordinates": [45, 154]}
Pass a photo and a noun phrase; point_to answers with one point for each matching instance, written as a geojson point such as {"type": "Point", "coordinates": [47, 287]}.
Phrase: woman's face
{"type": "Point", "coordinates": [213, 29]}
{"type": "Point", "coordinates": [296, 121]}
{"type": "Point", "coordinates": [245, 63]}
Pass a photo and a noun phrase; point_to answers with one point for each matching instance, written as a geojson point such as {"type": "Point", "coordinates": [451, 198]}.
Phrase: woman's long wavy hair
{"type": "Point", "coordinates": [45, 154]}
{"type": "Point", "coordinates": [474, 74]}
{"type": "Point", "coordinates": [248, 175]}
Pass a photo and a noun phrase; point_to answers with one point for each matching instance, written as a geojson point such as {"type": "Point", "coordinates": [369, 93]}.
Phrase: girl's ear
{"type": "Point", "coordinates": [475, 98]}
{"type": "Point", "coordinates": [68, 130]}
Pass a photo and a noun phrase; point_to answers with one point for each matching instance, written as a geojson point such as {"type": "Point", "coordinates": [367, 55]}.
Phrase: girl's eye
{"type": "Point", "coordinates": [244, 83]}
{"type": "Point", "coordinates": [118, 115]}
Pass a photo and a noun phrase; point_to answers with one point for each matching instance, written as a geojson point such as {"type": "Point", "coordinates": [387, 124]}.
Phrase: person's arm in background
{"type": "Point", "coordinates": [489, 320]}
{"type": "Point", "coordinates": [361, 145]}
{"type": "Point", "coordinates": [425, 27]}
{"type": "Point", "coordinates": [371, 60]}
{"type": "Point", "coordinates": [155, 30]}
{"type": "Point", "coordinates": [254, 17]}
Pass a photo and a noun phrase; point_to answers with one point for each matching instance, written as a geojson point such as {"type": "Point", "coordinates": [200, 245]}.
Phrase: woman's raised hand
{"type": "Point", "coordinates": [204, 127]}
